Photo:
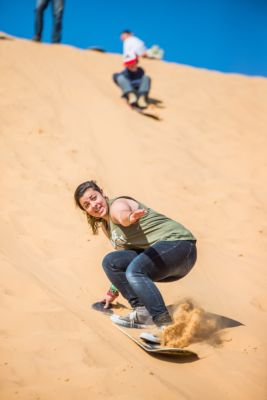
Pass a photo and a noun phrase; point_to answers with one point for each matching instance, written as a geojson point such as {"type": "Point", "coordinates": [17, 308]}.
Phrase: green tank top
{"type": "Point", "coordinates": [151, 228]}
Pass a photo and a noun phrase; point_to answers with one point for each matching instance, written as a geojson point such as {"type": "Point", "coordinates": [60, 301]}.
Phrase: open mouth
{"type": "Point", "coordinates": [99, 210]}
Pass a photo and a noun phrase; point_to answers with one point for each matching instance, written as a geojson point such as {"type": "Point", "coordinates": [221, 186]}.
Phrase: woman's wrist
{"type": "Point", "coordinates": [113, 292]}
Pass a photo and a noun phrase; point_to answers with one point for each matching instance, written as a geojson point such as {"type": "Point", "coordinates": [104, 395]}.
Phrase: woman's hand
{"type": "Point", "coordinates": [125, 212]}
{"type": "Point", "coordinates": [134, 216]}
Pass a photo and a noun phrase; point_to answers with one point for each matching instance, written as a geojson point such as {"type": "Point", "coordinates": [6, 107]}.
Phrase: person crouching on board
{"type": "Point", "coordinates": [149, 248]}
{"type": "Point", "coordinates": [133, 81]}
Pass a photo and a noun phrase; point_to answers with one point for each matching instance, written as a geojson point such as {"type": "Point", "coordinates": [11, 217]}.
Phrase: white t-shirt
{"type": "Point", "coordinates": [133, 45]}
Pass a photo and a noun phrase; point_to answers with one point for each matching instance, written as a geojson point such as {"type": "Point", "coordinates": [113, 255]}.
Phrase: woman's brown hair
{"type": "Point", "coordinates": [79, 192]}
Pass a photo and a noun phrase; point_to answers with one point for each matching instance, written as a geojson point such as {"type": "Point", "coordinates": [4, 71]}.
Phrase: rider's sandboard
{"type": "Point", "coordinates": [155, 348]}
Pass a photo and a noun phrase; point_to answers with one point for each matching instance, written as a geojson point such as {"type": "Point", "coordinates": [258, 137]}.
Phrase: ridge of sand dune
{"type": "Point", "coordinates": [62, 122]}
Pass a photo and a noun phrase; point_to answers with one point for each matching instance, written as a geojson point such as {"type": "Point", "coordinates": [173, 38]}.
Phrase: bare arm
{"type": "Point", "coordinates": [125, 212]}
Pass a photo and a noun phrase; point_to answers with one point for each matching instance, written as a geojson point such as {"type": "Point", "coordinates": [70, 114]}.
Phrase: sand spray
{"type": "Point", "coordinates": [191, 324]}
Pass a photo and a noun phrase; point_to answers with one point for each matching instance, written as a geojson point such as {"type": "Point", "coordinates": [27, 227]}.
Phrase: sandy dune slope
{"type": "Point", "coordinates": [62, 122]}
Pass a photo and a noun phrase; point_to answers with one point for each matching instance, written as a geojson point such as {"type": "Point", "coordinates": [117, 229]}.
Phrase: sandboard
{"type": "Point", "coordinates": [134, 335]}
{"type": "Point", "coordinates": [155, 348]}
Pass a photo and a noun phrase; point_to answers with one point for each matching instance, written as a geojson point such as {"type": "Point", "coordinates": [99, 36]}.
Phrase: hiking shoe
{"type": "Point", "coordinates": [138, 318]}
{"type": "Point", "coordinates": [141, 102]}
{"type": "Point", "coordinates": [163, 319]}
{"type": "Point", "coordinates": [132, 98]}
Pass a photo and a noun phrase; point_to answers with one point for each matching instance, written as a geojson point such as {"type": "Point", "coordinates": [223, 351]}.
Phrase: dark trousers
{"type": "Point", "coordinates": [58, 7]}
{"type": "Point", "coordinates": [126, 85]}
{"type": "Point", "coordinates": [134, 272]}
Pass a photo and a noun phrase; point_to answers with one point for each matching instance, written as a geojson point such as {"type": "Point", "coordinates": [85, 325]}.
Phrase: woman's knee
{"type": "Point", "coordinates": [130, 276]}
{"type": "Point", "coordinates": [108, 262]}
{"type": "Point", "coordinates": [135, 270]}
{"type": "Point", "coordinates": [118, 260]}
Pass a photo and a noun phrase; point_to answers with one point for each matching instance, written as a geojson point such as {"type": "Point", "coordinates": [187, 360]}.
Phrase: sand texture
{"type": "Point", "coordinates": [204, 164]}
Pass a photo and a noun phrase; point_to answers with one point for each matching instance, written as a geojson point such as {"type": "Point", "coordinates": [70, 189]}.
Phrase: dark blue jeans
{"type": "Point", "coordinates": [134, 272]}
{"type": "Point", "coordinates": [58, 7]}
{"type": "Point", "coordinates": [126, 85]}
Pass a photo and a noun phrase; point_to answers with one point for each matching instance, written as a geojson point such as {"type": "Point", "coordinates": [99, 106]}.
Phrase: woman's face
{"type": "Point", "coordinates": [94, 203]}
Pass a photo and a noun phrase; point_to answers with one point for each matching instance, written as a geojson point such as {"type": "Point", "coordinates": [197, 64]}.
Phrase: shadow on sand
{"type": "Point", "coordinates": [155, 102]}
{"type": "Point", "coordinates": [176, 360]}
{"type": "Point", "coordinates": [222, 322]}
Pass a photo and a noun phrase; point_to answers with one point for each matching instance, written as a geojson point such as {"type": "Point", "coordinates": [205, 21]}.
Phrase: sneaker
{"type": "Point", "coordinates": [150, 337]}
{"type": "Point", "coordinates": [138, 318]}
{"type": "Point", "coordinates": [132, 98]}
{"type": "Point", "coordinates": [154, 336]}
{"type": "Point", "coordinates": [142, 103]}
{"type": "Point", "coordinates": [161, 321]}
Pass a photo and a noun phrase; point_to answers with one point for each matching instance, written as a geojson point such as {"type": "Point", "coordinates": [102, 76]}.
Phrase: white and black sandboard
{"type": "Point", "coordinates": [149, 347]}
{"type": "Point", "coordinates": [155, 348]}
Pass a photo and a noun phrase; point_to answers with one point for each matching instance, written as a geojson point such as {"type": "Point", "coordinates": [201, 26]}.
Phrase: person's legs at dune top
{"type": "Point", "coordinates": [58, 7]}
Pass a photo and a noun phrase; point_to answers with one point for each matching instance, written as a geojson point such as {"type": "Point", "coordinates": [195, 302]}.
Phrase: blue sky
{"type": "Point", "coordinates": [224, 35]}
